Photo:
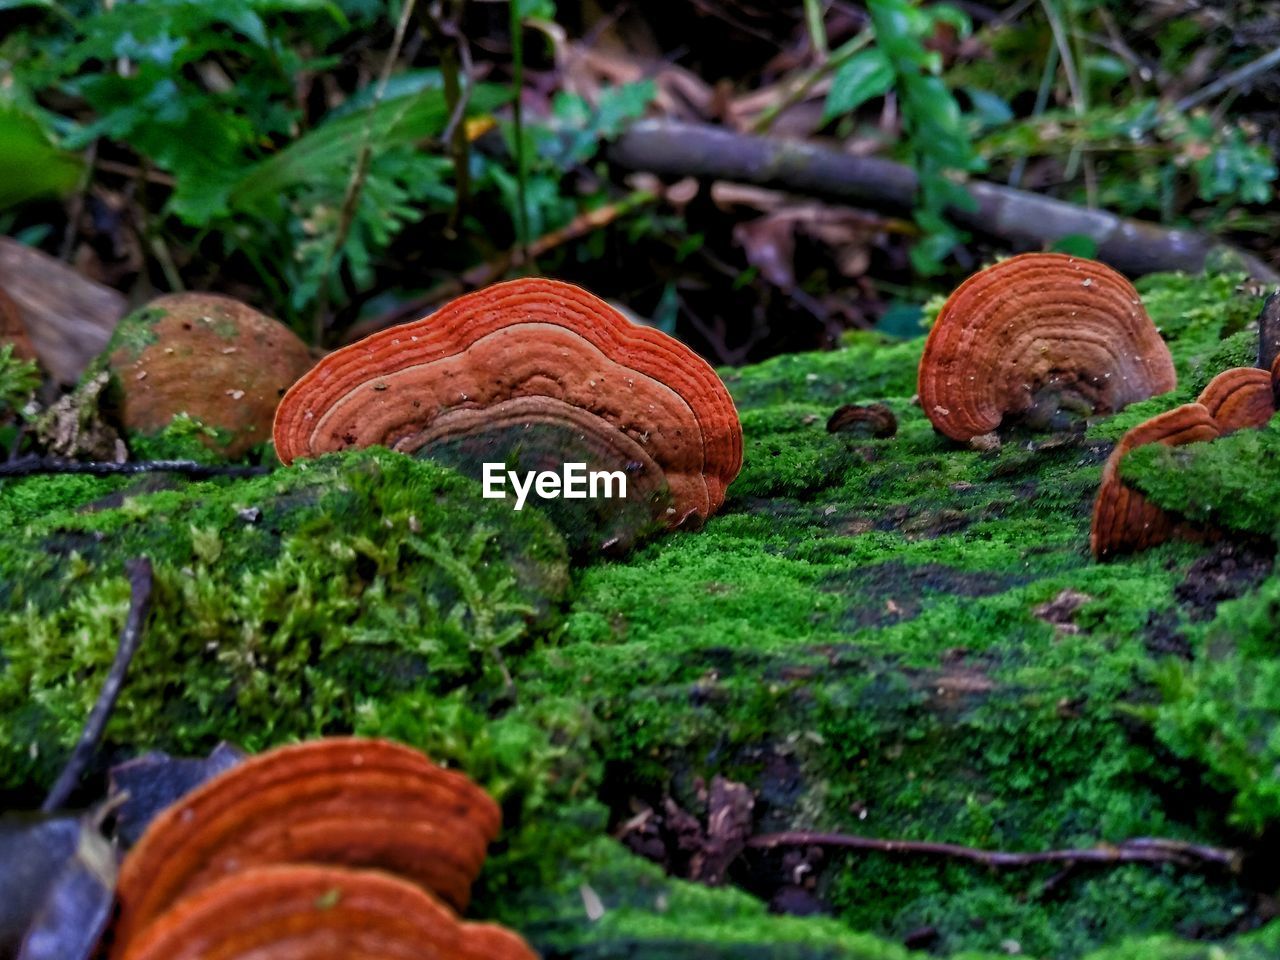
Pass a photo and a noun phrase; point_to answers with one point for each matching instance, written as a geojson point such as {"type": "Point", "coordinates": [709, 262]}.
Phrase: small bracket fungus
{"type": "Point", "coordinates": [208, 356]}
{"type": "Point", "coordinates": [1239, 398]}
{"type": "Point", "coordinates": [874, 420]}
{"type": "Point", "coordinates": [1036, 334]}
{"type": "Point", "coordinates": [319, 913]}
{"type": "Point", "coordinates": [1123, 519]}
{"type": "Point", "coordinates": [518, 370]}
{"type": "Point", "coordinates": [348, 801]}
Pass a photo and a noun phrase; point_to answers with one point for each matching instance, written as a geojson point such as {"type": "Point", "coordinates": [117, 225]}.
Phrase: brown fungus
{"type": "Point", "coordinates": [533, 370]}
{"type": "Point", "coordinates": [317, 913]}
{"type": "Point", "coordinates": [1034, 335]}
{"type": "Point", "coordinates": [208, 356]}
{"type": "Point", "coordinates": [348, 801]}
{"type": "Point", "coordinates": [1123, 519]}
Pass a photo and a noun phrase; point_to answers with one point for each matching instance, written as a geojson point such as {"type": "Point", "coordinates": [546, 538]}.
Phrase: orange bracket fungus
{"type": "Point", "coordinates": [208, 356]}
{"type": "Point", "coordinates": [348, 801]}
{"type": "Point", "coordinates": [1239, 398]}
{"type": "Point", "coordinates": [1123, 519]}
{"type": "Point", "coordinates": [1036, 334]}
{"type": "Point", "coordinates": [318, 913]}
{"type": "Point", "coordinates": [539, 373]}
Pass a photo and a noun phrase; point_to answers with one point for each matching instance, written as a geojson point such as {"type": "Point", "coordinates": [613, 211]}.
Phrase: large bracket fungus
{"type": "Point", "coordinates": [531, 372]}
{"type": "Point", "coordinates": [208, 356]}
{"type": "Point", "coordinates": [1036, 334]}
{"type": "Point", "coordinates": [347, 801]}
{"type": "Point", "coordinates": [318, 913]}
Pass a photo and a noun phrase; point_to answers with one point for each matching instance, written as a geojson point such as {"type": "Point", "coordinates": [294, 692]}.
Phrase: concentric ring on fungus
{"type": "Point", "coordinates": [1239, 398]}
{"type": "Point", "coordinates": [318, 913]}
{"type": "Point", "coordinates": [528, 350]}
{"type": "Point", "coordinates": [340, 800]}
{"type": "Point", "coordinates": [1037, 333]}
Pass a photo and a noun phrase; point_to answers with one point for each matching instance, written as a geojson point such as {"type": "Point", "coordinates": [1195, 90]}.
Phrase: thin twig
{"type": "Point", "coordinates": [1268, 61]}
{"type": "Point", "coordinates": [140, 582]}
{"type": "Point", "coordinates": [1138, 850]}
{"type": "Point", "coordinates": [33, 465]}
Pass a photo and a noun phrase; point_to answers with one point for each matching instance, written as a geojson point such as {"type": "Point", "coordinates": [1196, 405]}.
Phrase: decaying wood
{"type": "Point", "coordinates": [1023, 220]}
{"type": "Point", "coordinates": [68, 316]}
{"type": "Point", "coordinates": [30, 466]}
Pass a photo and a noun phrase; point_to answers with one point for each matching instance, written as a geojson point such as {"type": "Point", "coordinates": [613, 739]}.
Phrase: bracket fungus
{"type": "Point", "coordinates": [1239, 398]}
{"type": "Point", "coordinates": [1036, 334]}
{"type": "Point", "coordinates": [348, 801]}
{"type": "Point", "coordinates": [1123, 519]}
{"type": "Point", "coordinates": [208, 356]}
{"type": "Point", "coordinates": [537, 371]}
{"type": "Point", "coordinates": [318, 913]}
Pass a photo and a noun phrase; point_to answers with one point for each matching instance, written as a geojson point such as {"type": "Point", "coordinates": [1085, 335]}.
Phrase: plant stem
{"type": "Point", "coordinates": [522, 161]}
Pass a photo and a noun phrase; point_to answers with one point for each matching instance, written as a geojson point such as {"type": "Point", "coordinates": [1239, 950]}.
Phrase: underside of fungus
{"type": "Point", "coordinates": [513, 371]}
{"type": "Point", "coordinates": [318, 913]}
{"type": "Point", "coordinates": [348, 801]}
{"type": "Point", "coordinates": [1038, 334]}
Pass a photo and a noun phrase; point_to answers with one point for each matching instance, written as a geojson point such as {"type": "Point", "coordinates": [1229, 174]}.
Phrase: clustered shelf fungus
{"type": "Point", "coordinates": [1123, 519]}
{"type": "Point", "coordinates": [208, 356]}
{"type": "Point", "coordinates": [393, 839]}
{"type": "Point", "coordinates": [535, 371]}
{"type": "Point", "coordinates": [1036, 334]}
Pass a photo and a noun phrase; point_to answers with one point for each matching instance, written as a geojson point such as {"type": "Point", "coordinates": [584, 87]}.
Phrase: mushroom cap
{"type": "Point", "coordinates": [13, 330]}
{"type": "Point", "coordinates": [524, 339]}
{"type": "Point", "coordinates": [1034, 330]}
{"type": "Point", "coordinates": [1123, 519]}
{"type": "Point", "coordinates": [341, 800]}
{"type": "Point", "coordinates": [208, 356]}
{"type": "Point", "coordinates": [1238, 398]}
{"type": "Point", "coordinates": [317, 913]}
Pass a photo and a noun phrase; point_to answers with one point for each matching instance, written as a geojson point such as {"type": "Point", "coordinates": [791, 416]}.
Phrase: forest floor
{"type": "Point", "coordinates": [894, 639]}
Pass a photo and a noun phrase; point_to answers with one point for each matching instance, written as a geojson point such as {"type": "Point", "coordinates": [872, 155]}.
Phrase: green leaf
{"type": "Point", "coordinates": [1077, 245]}
{"type": "Point", "coordinates": [867, 74]}
{"type": "Point", "coordinates": [335, 145]}
{"type": "Point", "coordinates": [31, 165]}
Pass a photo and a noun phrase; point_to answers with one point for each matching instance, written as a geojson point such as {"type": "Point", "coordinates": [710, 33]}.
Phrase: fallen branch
{"type": "Point", "coordinates": [140, 582]}
{"type": "Point", "coordinates": [30, 466]}
{"type": "Point", "coordinates": [1139, 850]}
{"type": "Point", "coordinates": [1020, 218]}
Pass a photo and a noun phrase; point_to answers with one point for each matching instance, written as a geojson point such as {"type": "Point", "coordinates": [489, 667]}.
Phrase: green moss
{"type": "Point", "coordinates": [1231, 482]}
{"type": "Point", "coordinates": [281, 603]}
{"type": "Point", "coordinates": [869, 366]}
